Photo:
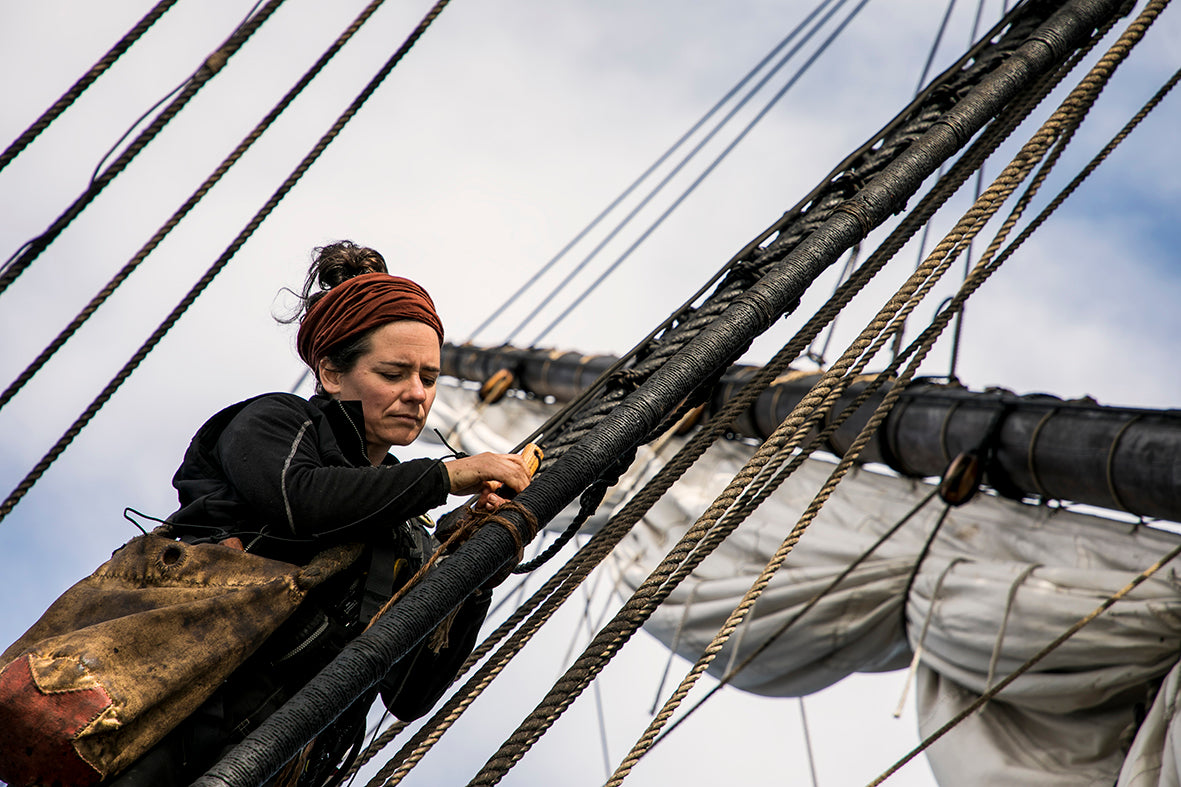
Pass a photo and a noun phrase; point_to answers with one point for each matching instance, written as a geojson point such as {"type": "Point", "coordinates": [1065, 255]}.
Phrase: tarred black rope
{"type": "Point", "coordinates": [845, 181]}
{"type": "Point", "coordinates": [212, 65]}
{"type": "Point", "coordinates": [87, 79]}
{"type": "Point", "coordinates": [220, 263]}
{"type": "Point", "coordinates": [189, 204]}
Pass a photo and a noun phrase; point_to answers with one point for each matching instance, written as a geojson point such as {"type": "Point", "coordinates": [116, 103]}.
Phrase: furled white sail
{"type": "Point", "coordinates": [1001, 581]}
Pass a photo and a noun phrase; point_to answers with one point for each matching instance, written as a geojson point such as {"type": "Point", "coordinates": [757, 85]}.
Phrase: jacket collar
{"type": "Point", "coordinates": [347, 421]}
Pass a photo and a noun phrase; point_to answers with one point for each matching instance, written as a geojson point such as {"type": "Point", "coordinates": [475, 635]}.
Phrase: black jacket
{"type": "Point", "coordinates": [290, 477]}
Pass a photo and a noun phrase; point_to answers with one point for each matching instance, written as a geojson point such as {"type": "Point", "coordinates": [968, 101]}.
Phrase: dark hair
{"type": "Point", "coordinates": [332, 265]}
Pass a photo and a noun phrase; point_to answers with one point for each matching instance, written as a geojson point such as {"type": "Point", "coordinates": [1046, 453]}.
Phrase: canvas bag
{"type": "Point", "coordinates": [126, 654]}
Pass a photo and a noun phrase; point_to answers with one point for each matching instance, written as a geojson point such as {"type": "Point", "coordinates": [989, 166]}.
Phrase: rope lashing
{"type": "Point", "coordinates": [555, 590]}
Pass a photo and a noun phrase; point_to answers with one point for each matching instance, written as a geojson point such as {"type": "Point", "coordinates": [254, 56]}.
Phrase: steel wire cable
{"type": "Point", "coordinates": [230, 160]}
{"type": "Point", "coordinates": [212, 66]}
{"type": "Point", "coordinates": [867, 162]}
{"type": "Point", "coordinates": [697, 181]}
{"type": "Point", "coordinates": [645, 174]}
{"type": "Point", "coordinates": [86, 80]}
{"type": "Point", "coordinates": [354, 107]}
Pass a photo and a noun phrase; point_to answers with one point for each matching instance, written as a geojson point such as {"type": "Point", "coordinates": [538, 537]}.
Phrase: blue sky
{"type": "Point", "coordinates": [504, 131]}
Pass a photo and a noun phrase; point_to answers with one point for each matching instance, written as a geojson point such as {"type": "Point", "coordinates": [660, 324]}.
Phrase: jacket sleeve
{"type": "Point", "coordinates": [271, 453]}
{"type": "Point", "coordinates": [417, 682]}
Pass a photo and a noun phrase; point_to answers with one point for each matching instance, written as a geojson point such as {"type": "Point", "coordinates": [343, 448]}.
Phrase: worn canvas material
{"type": "Point", "coordinates": [127, 653]}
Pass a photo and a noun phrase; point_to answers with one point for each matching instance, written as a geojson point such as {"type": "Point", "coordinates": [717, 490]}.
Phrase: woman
{"type": "Point", "coordinates": [285, 478]}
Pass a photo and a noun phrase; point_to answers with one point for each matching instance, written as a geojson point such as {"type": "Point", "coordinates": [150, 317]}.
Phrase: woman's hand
{"type": "Point", "coordinates": [485, 473]}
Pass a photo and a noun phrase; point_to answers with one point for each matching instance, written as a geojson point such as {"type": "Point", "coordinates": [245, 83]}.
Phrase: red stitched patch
{"type": "Point", "coordinates": [39, 729]}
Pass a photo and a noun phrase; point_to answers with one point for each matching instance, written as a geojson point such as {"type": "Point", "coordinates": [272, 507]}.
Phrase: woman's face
{"type": "Point", "coordinates": [394, 382]}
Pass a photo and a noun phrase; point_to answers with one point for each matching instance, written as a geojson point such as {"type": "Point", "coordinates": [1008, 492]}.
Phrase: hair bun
{"type": "Point", "coordinates": [333, 265]}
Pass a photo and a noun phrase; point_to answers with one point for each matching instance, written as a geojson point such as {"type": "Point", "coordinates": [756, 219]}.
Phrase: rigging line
{"type": "Point", "coordinates": [1068, 114]}
{"type": "Point", "coordinates": [560, 586]}
{"type": "Point", "coordinates": [697, 148]}
{"type": "Point", "coordinates": [869, 158]}
{"type": "Point", "coordinates": [61, 445]}
{"type": "Point", "coordinates": [130, 129]}
{"type": "Point", "coordinates": [935, 45]}
{"type": "Point", "coordinates": [210, 68]}
{"type": "Point", "coordinates": [791, 215]}
{"type": "Point", "coordinates": [661, 582]}
{"type": "Point", "coordinates": [1032, 662]}
{"type": "Point", "coordinates": [85, 81]}
{"type": "Point", "coordinates": [651, 168]}
{"type": "Point", "coordinates": [726, 679]}
{"type": "Point", "coordinates": [101, 297]}
{"type": "Point", "coordinates": [618, 526]}
{"type": "Point", "coordinates": [923, 345]}
{"type": "Point", "coordinates": [996, 689]}
{"type": "Point", "coordinates": [704, 174]}
{"type": "Point", "coordinates": [808, 744]}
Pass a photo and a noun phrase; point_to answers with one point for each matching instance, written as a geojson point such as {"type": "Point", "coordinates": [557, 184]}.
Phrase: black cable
{"type": "Point", "coordinates": [288, 184]}
{"type": "Point", "coordinates": [213, 64]}
{"type": "Point", "coordinates": [713, 164]}
{"type": "Point", "coordinates": [87, 79]}
{"type": "Point", "coordinates": [688, 157]}
{"type": "Point", "coordinates": [644, 175]}
{"type": "Point", "coordinates": [117, 280]}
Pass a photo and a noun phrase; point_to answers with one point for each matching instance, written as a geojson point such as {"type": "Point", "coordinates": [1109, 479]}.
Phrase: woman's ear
{"type": "Point", "coordinates": [329, 377]}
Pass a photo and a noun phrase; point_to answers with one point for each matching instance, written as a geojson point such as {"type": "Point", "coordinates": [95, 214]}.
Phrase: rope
{"type": "Point", "coordinates": [809, 214]}
{"type": "Point", "coordinates": [212, 65]}
{"type": "Point", "coordinates": [651, 169]}
{"type": "Point", "coordinates": [726, 679]}
{"type": "Point", "coordinates": [692, 548]}
{"type": "Point", "coordinates": [184, 210]}
{"type": "Point", "coordinates": [446, 716]}
{"type": "Point", "coordinates": [547, 599]}
{"type": "Point", "coordinates": [702, 176]}
{"type": "Point", "coordinates": [85, 81]}
{"type": "Point", "coordinates": [1056, 130]}
{"type": "Point", "coordinates": [26, 484]}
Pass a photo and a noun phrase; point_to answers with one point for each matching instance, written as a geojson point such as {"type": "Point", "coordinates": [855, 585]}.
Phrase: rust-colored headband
{"type": "Point", "coordinates": [359, 305]}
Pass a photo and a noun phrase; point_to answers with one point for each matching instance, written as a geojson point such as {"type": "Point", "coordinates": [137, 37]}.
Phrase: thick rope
{"type": "Point", "coordinates": [210, 68]}
{"type": "Point", "coordinates": [1072, 112]}
{"type": "Point", "coordinates": [562, 584]}
{"type": "Point", "coordinates": [906, 128]}
{"type": "Point", "coordinates": [86, 80]}
{"type": "Point", "coordinates": [189, 204]}
{"type": "Point", "coordinates": [1091, 85]}
{"type": "Point", "coordinates": [218, 265]}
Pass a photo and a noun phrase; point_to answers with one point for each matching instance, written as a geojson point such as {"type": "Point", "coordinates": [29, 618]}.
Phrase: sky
{"type": "Point", "coordinates": [506, 129]}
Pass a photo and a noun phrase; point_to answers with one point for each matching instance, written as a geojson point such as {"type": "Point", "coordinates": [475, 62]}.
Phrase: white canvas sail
{"type": "Point", "coordinates": [1001, 581]}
